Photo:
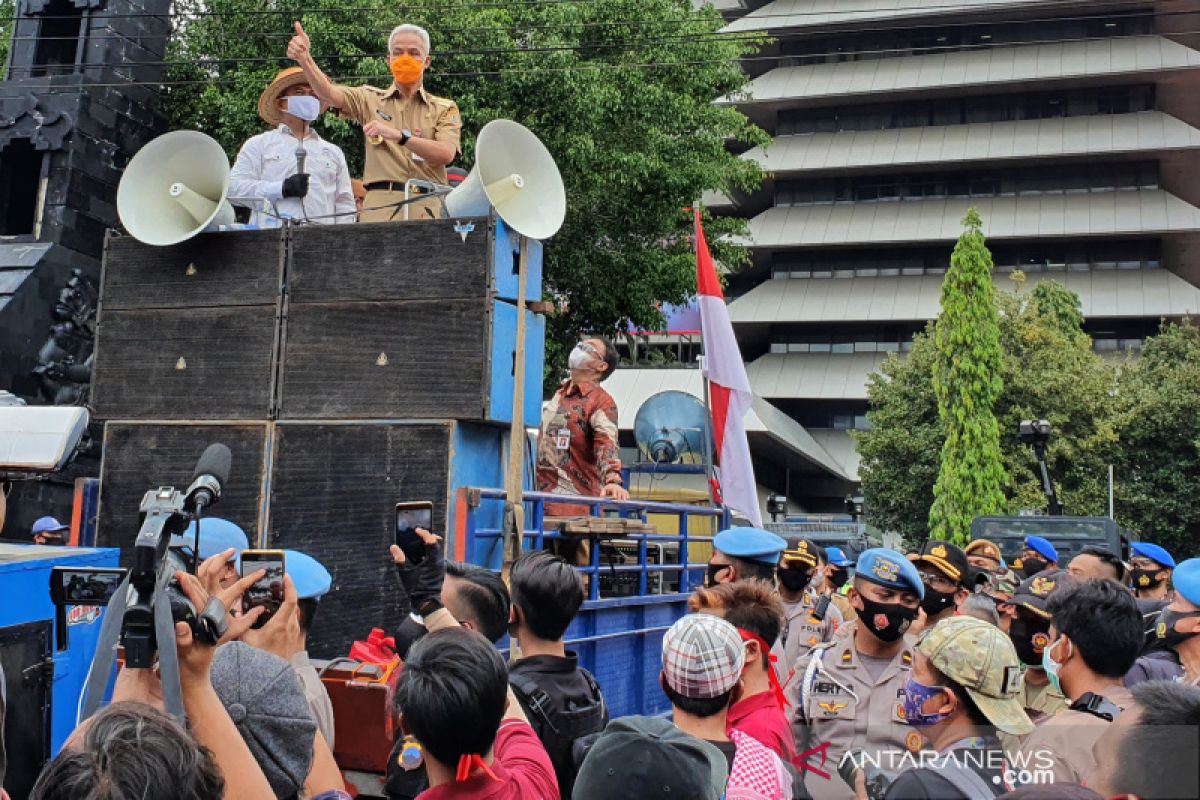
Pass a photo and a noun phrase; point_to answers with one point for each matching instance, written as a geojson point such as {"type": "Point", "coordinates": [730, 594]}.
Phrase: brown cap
{"type": "Point", "coordinates": [268, 106]}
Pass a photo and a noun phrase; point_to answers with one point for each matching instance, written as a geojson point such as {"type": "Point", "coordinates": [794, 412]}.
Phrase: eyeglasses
{"type": "Point", "coordinates": [590, 348]}
{"type": "Point", "coordinates": [936, 580]}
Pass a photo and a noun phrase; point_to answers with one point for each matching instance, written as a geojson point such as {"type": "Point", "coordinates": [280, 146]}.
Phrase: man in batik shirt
{"type": "Point", "coordinates": [577, 444]}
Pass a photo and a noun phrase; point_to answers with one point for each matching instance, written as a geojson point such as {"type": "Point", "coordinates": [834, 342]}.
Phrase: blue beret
{"type": "Point", "coordinates": [750, 544]}
{"type": "Point", "coordinates": [1042, 547]}
{"type": "Point", "coordinates": [1186, 580]}
{"type": "Point", "coordinates": [1153, 552]}
{"type": "Point", "coordinates": [312, 580]}
{"type": "Point", "coordinates": [889, 568]}
{"type": "Point", "coordinates": [835, 556]}
{"type": "Point", "coordinates": [216, 536]}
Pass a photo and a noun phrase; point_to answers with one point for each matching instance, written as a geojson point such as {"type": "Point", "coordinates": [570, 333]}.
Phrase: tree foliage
{"type": "Point", "coordinates": [7, 9]}
{"type": "Point", "coordinates": [966, 382]}
{"type": "Point", "coordinates": [1158, 465]}
{"type": "Point", "coordinates": [620, 91]}
{"type": "Point", "coordinates": [1048, 371]}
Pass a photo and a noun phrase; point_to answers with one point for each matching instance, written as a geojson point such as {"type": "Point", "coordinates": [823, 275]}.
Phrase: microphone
{"type": "Point", "coordinates": [301, 154]}
{"type": "Point", "coordinates": [212, 471]}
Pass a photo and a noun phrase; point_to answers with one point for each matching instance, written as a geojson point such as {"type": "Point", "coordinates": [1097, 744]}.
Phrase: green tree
{"type": "Point", "coordinates": [7, 9]}
{"type": "Point", "coordinates": [1049, 372]}
{"type": "Point", "coordinates": [966, 383]}
{"type": "Point", "coordinates": [621, 92]}
{"type": "Point", "coordinates": [1158, 467]}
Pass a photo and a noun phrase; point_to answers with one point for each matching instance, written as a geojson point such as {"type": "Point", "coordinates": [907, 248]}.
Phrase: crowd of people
{"type": "Point", "coordinates": [794, 674]}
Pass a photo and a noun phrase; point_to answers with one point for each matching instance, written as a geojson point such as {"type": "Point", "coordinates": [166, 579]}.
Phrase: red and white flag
{"type": "Point", "coordinates": [729, 388]}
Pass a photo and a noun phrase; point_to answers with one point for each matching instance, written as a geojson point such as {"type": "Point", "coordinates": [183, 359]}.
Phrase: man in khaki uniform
{"type": "Point", "coordinates": [1095, 636]}
{"type": "Point", "coordinates": [810, 618]}
{"type": "Point", "coordinates": [849, 693]}
{"type": "Point", "coordinates": [409, 133]}
{"type": "Point", "coordinates": [837, 576]}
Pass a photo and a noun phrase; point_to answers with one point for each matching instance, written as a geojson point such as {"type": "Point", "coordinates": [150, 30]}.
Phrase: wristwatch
{"type": "Point", "coordinates": [405, 135]}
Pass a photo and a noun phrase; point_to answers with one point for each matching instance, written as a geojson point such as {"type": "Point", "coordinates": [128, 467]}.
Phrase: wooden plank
{"type": "Point", "coordinates": [199, 363]}
{"type": "Point", "coordinates": [232, 268]}
{"type": "Point", "coordinates": [393, 360]}
{"type": "Point", "coordinates": [401, 261]}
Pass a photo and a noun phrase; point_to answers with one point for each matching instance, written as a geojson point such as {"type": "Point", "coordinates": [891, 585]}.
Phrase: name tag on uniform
{"type": "Point", "coordinates": [562, 439]}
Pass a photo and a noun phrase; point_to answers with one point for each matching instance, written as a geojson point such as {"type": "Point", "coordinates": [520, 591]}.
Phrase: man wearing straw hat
{"type": "Point", "coordinates": [410, 133]}
{"type": "Point", "coordinates": [268, 165]}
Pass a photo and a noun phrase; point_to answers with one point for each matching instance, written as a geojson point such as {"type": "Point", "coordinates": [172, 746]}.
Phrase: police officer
{"type": "Point", "coordinates": [1150, 573]}
{"type": "Point", "coordinates": [1028, 626]}
{"type": "Point", "coordinates": [810, 617]}
{"type": "Point", "coordinates": [1174, 650]}
{"type": "Point", "coordinates": [741, 553]}
{"type": "Point", "coordinates": [312, 582]}
{"type": "Point", "coordinates": [837, 581]}
{"type": "Point", "coordinates": [944, 570]}
{"type": "Point", "coordinates": [849, 693]}
{"type": "Point", "coordinates": [985, 558]}
{"type": "Point", "coordinates": [1038, 555]}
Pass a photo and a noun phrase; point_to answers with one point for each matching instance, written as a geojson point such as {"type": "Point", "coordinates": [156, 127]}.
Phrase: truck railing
{"type": "Point", "coordinates": [535, 538]}
{"type": "Point", "coordinates": [618, 638]}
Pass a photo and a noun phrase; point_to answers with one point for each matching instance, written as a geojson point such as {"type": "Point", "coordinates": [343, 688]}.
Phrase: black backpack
{"type": "Point", "coordinates": [565, 733]}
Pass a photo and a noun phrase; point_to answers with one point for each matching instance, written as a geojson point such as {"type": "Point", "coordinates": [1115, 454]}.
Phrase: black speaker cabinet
{"type": "Point", "coordinates": [329, 489]}
{"type": "Point", "coordinates": [142, 456]}
{"type": "Point", "coordinates": [399, 321]}
{"type": "Point", "coordinates": [189, 332]}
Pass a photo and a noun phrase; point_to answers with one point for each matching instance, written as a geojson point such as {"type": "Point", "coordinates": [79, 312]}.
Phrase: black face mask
{"type": "Point", "coordinates": [1144, 578]}
{"type": "Point", "coordinates": [1164, 628]}
{"type": "Point", "coordinates": [888, 621]}
{"type": "Point", "coordinates": [934, 602]}
{"type": "Point", "coordinates": [1032, 566]}
{"type": "Point", "coordinates": [793, 580]}
{"type": "Point", "coordinates": [1029, 639]}
{"type": "Point", "coordinates": [837, 578]}
{"type": "Point", "coordinates": [713, 569]}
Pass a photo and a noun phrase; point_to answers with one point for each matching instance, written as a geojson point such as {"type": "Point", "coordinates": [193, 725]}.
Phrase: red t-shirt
{"type": "Point", "coordinates": [761, 717]}
{"type": "Point", "coordinates": [522, 768]}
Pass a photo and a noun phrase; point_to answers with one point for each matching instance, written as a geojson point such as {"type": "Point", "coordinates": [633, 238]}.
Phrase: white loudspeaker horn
{"type": "Point", "coordinates": [174, 188]}
{"type": "Point", "coordinates": [515, 174]}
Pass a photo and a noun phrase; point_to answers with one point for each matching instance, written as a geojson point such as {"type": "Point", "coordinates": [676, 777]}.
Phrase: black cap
{"type": "Point", "coordinates": [640, 758]}
{"type": "Point", "coordinates": [803, 552]}
{"type": "Point", "coordinates": [947, 559]}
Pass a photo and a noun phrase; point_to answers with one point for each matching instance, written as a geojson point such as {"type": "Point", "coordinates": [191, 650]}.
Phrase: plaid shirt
{"type": "Point", "coordinates": [577, 446]}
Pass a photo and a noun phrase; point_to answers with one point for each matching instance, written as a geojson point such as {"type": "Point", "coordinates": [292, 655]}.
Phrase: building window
{"type": "Point", "coordinates": [57, 50]}
{"type": "Point", "coordinates": [20, 187]}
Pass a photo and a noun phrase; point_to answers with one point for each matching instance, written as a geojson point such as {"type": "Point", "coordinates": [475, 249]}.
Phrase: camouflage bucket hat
{"type": "Point", "coordinates": [979, 657]}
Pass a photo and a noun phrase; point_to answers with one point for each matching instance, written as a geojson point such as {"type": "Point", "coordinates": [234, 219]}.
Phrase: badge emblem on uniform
{"type": "Point", "coordinates": [938, 551]}
{"type": "Point", "coordinates": [1160, 630]}
{"type": "Point", "coordinates": [882, 622]}
{"type": "Point", "coordinates": [1039, 641]}
{"type": "Point", "coordinates": [886, 570]}
{"type": "Point", "coordinates": [1144, 580]}
{"type": "Point", "coordinates": [914, 742]}
{"type": "Point", "coordinates": [831, 709]}
{"type": "Point", "coordinates": [1041, 587]}
{"type": "Point", "coordinates": [900, 712]}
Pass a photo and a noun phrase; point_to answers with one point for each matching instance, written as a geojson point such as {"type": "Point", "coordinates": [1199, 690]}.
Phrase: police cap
{"type": "Point", "coordinates": [889, 569]}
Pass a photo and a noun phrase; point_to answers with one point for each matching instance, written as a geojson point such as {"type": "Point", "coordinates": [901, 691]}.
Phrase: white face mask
{"type": "Point", "coordinates": [304, 107]}
{"type": "Point", "coordinates": [579, 358]}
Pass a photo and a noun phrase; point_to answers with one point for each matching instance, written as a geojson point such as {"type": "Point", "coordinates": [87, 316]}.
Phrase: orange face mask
{"type": "Point", "coordinates": [406, 70]}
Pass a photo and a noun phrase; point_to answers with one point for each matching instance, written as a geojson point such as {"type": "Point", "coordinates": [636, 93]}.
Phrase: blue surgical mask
{"type": "Point", "coordinates": [915, 697]}
{"type": "Point", "coordinates": [1052, 667]}
{"type": "Point", "coordinates": [304, 107]}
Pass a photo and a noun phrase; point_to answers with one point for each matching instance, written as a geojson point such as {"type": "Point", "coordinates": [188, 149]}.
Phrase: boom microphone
{"type": "Point", "coordinates": [212, 471]}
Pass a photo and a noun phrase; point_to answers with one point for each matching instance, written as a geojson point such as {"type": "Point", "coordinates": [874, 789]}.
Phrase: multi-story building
{"type": "Point", "coordinates": [1072, 127]}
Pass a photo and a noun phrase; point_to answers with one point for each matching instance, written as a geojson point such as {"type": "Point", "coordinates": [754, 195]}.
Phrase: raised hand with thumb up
{"type": "Point", "coordinates": [299, 48]}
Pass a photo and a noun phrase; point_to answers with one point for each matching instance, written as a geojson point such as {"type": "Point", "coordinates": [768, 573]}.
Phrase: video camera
{"type": "Point", "coordinates": [877, 781]}
{"type": "Point", "coordinates": [145, 606]}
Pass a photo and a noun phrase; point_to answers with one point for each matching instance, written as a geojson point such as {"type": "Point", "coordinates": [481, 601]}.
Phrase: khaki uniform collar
{"type": "Point", "coordinates": [844, 655]}
{"type": "Point", "coordinates": [394, 91]}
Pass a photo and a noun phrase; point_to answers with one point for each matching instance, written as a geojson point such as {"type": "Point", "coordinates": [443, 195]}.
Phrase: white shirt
{"type": "Point", "coordinates": [267, 159]}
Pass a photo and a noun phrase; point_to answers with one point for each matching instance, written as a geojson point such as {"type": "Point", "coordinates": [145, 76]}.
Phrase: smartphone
{"type": "Point", "coordinates": [409, 517]}
{"type": "Point", "coordinates": [267, 591]}
{"type": "Point", "coordinates": [84, 587]}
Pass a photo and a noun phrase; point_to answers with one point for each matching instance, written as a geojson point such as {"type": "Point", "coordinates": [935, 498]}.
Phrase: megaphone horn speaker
{"type": "Point", "coordinates": [515, 174]}
{"type": "Point", "coordinates": [174, 188]}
